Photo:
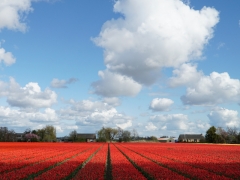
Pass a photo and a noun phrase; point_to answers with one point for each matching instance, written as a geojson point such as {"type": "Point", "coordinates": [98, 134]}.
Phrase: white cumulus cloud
{"type": "Point", "coordinates": [113, 85]}
{"type": "Point", "coordinates": [150, 127]}
{"type": "Point", "coordinates": [171, 121]}
{"type": "Point", "coordinates": [217, 88]}
{"type": "Point", "coordinates": [12, 14]}
{"type": "Point", "coordinates": [221, 117]}
{"type": "Point", "coordinates": [125, 125]}
{"type": "Point", "coordinates": [30, 96]}
{"type": "Point", "coordinates": [16, 119]}
{"type": "Point", "coordinates": [95, 113]}
{"type": "Point", "coordinates": [214, 89]}
{"type": "Point", "coordinates": [6, 57]}
{"type": "Point", "coordinates": [154, 34]}
{"type": "Point", "coordinates": [114, 101]}
{"type": "Point", "coordinates": [48, 115]}
{"type": "Point", "coordinates": [161, 104]}
{"type": "Point", "coordinates": [186, 74]}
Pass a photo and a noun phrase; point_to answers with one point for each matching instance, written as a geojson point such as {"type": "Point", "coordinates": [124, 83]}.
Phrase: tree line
{"type": "Point", "coordinates": [221, 135]}
{"type": "Point", "coordinates": [117, 134]}
{"type": "Point", "coordinates": [110, 134]}
{"type": "Point", "coordinates": [46, 134]}
{"type": "Point", "coordinates": [7, 135]}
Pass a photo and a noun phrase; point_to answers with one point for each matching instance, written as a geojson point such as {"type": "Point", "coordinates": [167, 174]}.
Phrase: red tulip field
{"type": "Point", "coordinates": [118, 161]}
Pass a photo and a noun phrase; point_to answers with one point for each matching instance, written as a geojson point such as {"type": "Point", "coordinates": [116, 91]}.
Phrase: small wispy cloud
{"type": "Point", "coordinates": [57, 83]}
{"type": "Point", "coordinates": [220, 45]}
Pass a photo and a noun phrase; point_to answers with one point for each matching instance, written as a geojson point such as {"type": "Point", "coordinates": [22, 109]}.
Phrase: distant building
{"type": "Point", "coordinates": [166, 139]}
{"type": "Point", "coordinates": [190, 137]}
{"type": "Point", "coordinates": [19, 136]}
{"type": "Point", "coordinates": [87, 137]}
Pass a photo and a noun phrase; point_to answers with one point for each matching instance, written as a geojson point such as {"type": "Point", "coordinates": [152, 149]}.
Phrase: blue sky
{"type": "Point", "coordinates": [162, 67]}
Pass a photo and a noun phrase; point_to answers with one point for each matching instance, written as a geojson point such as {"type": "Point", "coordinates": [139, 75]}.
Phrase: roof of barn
{"type": "Point", "coordinates": [191, 136]}
{"type": "Point", "coordinates": [87, 136]}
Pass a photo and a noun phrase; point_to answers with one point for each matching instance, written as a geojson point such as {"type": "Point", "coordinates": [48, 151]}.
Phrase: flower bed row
{"type": "Point", "coordinates": [219, 164]}
{"type": "Point", "coordinates": [221, 160]}
{"type": "Point", "coordinates": [67, 166]}
{"type": "Point", "coordinates": [180, 167]}
{"type": "Point", "coordinates": [121, 166]}
{"type": "Point", "coordinates": [39, 167]}
{"type": "Point", "coordinates": [148, 167]}
{"type": "Point", "coordinates": [22, 162]}
{"type": "Point", "coordinates": [122, 161]}
{"type": "Point", "coordinates": [95, 168]}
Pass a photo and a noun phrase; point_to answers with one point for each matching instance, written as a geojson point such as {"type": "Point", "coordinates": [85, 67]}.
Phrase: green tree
{"type": "Point", "coordinates": [211, 136]}
{"type": "Point", "coordinates": [50, 134]}
{"type": "Point", "coordinates": [73, 136]}
{"type": "Point", "coordinates": [107, 134]}
{"type": "Point", "coordinates": [101, 135]}
{"type": "Point", "coordinates": [34, 132]}
{"type": "Point", "coordinates": [41, 134]}
{"type": "Point", "coordinates": [123, 135]}
{"type": "Point", "coordinates": [47, 134]}
{"type": "Point", "coordinates": [153, 138]}
{"type": "Point", "coordinates": [111, 133]}
{"type": "Point", "coordinates": [126, 136]}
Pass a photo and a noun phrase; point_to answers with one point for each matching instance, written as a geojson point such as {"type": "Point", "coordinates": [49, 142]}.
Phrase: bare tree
{"type": "Point", "coordinates": [73, 135]}
{"type": "Point", "coordinates": [7, 135]}
{"type": "Point", "coordinates": [232, 135]}
{"type": "Point", "coordinates": [134, 134]}
{"type": "Point", "coordinates": [222, 133]}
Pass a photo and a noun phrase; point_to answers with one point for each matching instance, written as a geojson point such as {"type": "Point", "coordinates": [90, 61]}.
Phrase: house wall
{"type": "Point", "coordinates": [163, 141]}
{"type": "Point", "coordinates": [191, 140]}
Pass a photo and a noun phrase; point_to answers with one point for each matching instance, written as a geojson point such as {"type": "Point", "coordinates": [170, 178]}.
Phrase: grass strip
{"type": "Point", "coordinates": [108, 170]}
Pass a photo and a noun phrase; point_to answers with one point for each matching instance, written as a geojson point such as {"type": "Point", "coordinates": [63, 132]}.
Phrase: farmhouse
{"type": "Point", "coordinates": [166, 139]}
{"type": "Point", "coordinates": [190, 137]}
{"type": "Point", "coordinates": [87, 137]}
{"type": "Point", "coordinates": [19, 136]}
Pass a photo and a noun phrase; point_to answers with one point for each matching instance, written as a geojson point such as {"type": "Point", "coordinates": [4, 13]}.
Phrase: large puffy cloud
{"type": "Point", "coordinates": [150, 127]}
{"type": "Point", "coordinates": [63, 127]}
{"type": "Point", "coordinates": [19, 120]}
{"type": "Point", "coordinates": [125, 125]}
{"type": "Point", "coordinates": [113, 84]}
{"type": "Point", "coordinates": [28, 97]}
{"type": "Point", "coordinates": [95, 113]}
{"type": "Point", "coordinates": [48, 115]}
{"type": "Point", "coordinates": [6, 57]}
{"type": "Point", "coordinates": [57, 83]}
{"type": "Point", "coordinates": [114, 101]}
{"type": "Point", "coordinates": [154, 34]}
{"type": "Point", "coordinates": [221, 117]}
{"type": "Point", "coordinates": [171, 121]}
{"type": "Point", "coordinates": [12, 14]}
{"type": "Point", "coordinates": [15, 118]}
{"type": "Point", "coordinates": [213, 89]}
{"type": "Point", "coordinates": [186, 74]}
{"type": "Point", "coordinates": [175, 124]}
{"type": "Point", "coordinates": [161, 104]}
